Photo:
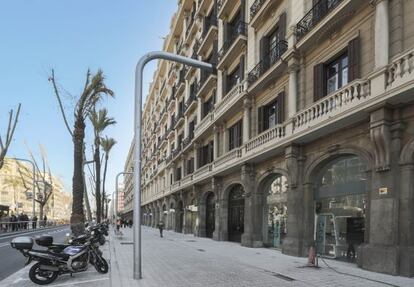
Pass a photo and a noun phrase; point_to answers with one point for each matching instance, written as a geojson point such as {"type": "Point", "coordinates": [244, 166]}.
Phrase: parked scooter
{"type": "Point", "coordinates": [54, 261]}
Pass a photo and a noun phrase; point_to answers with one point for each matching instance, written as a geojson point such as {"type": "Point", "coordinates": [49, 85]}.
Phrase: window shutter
{"type": "Point", "coordinates": [260, 119]}
{"type": "Point", "coordinates": [282, 26]}
{"type": "Point", "coordinates": [353, 59]}
{"type": "Point", "coordinates": [243, 10]}
{"type": "Point", "coordinates": [319, 82]}
{"type": "Point", "coordinates": [281, 107]}
{"type": "Point", "coordinates": [224, 83]}
{"type": "Point", "coordinates": [240, 133]}
{"type": "Point", "coordinates": [241, 68]}
{"type": "Point", "coordinates": [264, 51]}
{"type": "Point", "coordinates": [225, 31]}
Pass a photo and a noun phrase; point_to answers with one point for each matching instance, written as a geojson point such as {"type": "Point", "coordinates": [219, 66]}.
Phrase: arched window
{"type": "Point", "coordinates": [342, 170]}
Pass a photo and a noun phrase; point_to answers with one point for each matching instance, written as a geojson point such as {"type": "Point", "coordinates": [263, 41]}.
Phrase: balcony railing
{"type": "Point", "coordinates": [257, 5]}
{"type": "Point", "coordinates": [220, 4]}
{"type": "Point", "coordinates": [339, 101]}
{"type": "Point", "coordinates": [268, 61]}
{"type": "Point", "coordinates": [189, 26]}
{"type": "Point", "coordinates": [234, 92]}
{"type": "Point", "coordinates": [278, 131]}
{"type": "Point", "coordinates": [192, 98]}
{"type": "Point", "coordinates": [314, 16]}
{"type": "Point", "coordinates": [240, 28]}
{"type": "Point", "coordinates": [208, 22]}
{"type": "Point", "coordinates": [231, 155]}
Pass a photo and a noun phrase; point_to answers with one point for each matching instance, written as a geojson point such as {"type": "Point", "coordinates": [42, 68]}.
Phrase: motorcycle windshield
{"type": "Point", "coordinates": [72, 250]}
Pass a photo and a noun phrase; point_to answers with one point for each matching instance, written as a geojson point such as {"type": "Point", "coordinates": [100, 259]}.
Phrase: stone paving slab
{"type": "Point", "coordinates": [185, 260]}
{"type": "Point", "coordinates": [90, 278]}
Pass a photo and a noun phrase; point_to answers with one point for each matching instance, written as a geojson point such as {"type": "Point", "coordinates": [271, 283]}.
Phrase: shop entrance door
{"type": "Point", "coordinates": [236, 214]}
{"type": "Point", "coordinates": [210, 215]}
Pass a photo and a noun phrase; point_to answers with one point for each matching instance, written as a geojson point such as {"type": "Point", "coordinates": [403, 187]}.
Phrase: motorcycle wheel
{"type": "Point", "coordinates": [101, 265]}
{"type": "Point", "coordinates": [42, 277]}
{"type": "Point", "coordinates": [102, 240]}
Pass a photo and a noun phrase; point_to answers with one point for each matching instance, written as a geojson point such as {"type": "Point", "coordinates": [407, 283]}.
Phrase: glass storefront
{"type": "Point", "coordinates": [340, 208]}
{"type": "Point", "coordinates": [276, 212]}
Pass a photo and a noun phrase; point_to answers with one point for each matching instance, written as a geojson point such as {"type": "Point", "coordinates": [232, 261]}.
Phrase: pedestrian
{"type": "Point", "coordinates": [161, 227]}
{"type": "Point", "coordinates": [130, 223]}
{"type": "Point", "coordinates": [13, 222]}
{"type": "Point", "coordinates": [44, 220]}
{"type": "Point", "coordinates": [26, 221]}
{"type": "Point", "coordinates": [34, 222]}
{"type": "Point", "coordinates": [118, 225]}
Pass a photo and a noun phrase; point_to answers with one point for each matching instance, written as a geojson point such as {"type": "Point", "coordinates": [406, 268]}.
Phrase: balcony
{"type": "Point", "coordinates": [266, 69]}
{"type": "Point", "coordinates": [228, 158]}
{"type": "Point", "coordinates": [179, 119]}
{"type": "Point", "coordinates": [322, 18]}
{"type": "Point", "coordinates": [209, 34]}
{"type": "Point", "coordinates": [233, 45]}
{"type": "Point", "coordinates": [202, 171]}
{"type": "Point", "coordinates": [190, 70]}
{"type": "Point", "coordinates": [187, 141]}
{"type": "Point", "coordinates": [171, 100]}
{"type": "Point", "coordinates": [204, 125]}
{"type": "Point", "coordinates": [261, 10]}
{"type": "Point", "coordinates": [191, 102]}
{"type": "Point", "coordinates": [176, 151]}
{"type": "Point", "coordinates": [225, 7]}
{"type": "Point", "coordinates": [228, 103]}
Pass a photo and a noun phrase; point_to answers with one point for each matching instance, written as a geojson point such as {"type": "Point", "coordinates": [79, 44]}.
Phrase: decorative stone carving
{"type": "Point", "coordinates": [381, 138]}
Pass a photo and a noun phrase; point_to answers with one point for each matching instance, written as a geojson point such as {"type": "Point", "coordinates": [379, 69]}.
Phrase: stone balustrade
{"type": "Point", "coordinates": [228, 157]}
{"type": "Point", "coordinates": [204, 124]}
{"type": "Point", "coordinates": [400, 69]}
{"type": "Point", "coordinates": [337, 102]}
{"type": "Point", "coordinates": [228, 99]}
{"type": "Point", "coordinates": [202, 171]}
{"type": "Point", "coordinates": [277, 132]}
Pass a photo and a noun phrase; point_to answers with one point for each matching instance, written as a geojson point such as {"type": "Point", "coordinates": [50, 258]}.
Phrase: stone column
{"type": "Point", "coordinates": [247, 105]}
{"type": "Point", "coordinates": [292, 96]}
{"type": "Point", "coordinates": [297, 204]}
{"type": "Point", "coordinates": [382, 36]}
{"type": "Point", "coordinates": [216, 131]}
{"type": "Point", "coordinates": [225, 139]}
{"type": "Point", "coordinates": [222, 214]}
{"type": "Point", "coordinates": [216, 185]}
{"type": "Point", "coordinates": [199, 107]}
{"type": "Point", "coordinates": [201, 215]}
{"type": "Point", "coordinates": [381, 253]}
{"type": "Point", "coordinates": [253, 209]}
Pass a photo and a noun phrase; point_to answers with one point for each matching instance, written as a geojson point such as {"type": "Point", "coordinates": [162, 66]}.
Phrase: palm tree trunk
{"type": "Point", "coordinates": [98, 182]}
{"type": "Point", "coordinates": [103, 183]}
{"type": "Point", "coordinates": [77, 219]}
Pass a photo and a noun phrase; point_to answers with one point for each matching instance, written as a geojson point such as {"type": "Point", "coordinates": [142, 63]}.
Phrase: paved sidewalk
{"type": "Point", "coordinates": [179, 260]}
{"type": "Point", "coordinates": [184, 260]}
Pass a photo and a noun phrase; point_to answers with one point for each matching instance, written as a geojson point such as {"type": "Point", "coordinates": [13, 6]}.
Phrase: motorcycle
{"type": "Point", "coordinates": [52, 263]}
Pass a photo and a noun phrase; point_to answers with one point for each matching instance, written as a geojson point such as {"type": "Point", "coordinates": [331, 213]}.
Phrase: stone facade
{"type": "Point", "coordinates": [304, 136]}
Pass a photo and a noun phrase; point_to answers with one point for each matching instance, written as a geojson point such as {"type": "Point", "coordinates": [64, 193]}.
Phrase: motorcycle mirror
{"type": "Point", "coordinates": [67, 234]}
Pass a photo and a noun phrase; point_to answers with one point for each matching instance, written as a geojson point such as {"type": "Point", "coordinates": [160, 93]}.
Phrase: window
{"type": "Point", "coordinates": [337, 73]}
{"type": "Point", "coordinates": [180, 140]}
{"type": "Point", "coordinates": [205, 154]}
{"type": "Point", "coordinates": [272, 113]}
{"type": "Point", "coordinates": [191, 126]}
{"type": "Point", "coordinates": [233, 79]}
{"type": "Point", "coordinates": [190, 165]}
{"type": "Point", "coordinates": [208, 105]}
{"type": "Point", "coordinates": [178, 174]}
{"type": "Point", "coordinates": [235, 135]}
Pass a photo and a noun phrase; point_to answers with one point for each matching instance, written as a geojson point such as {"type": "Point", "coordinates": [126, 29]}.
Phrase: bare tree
{"type": "Point", "coordinates": [93, 92]}
{"type": "Point", "coordinates": [11, 127]}
{"type": "Point", "coordinates": [43, 180]}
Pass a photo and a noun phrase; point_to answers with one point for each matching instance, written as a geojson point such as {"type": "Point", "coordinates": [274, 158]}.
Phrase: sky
{"type": "Point", "coordinates": [71, 36]}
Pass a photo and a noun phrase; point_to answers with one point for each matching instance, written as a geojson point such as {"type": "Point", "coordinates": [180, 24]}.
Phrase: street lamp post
{"type": "Point", "coordinates": [137, 140]}
{"type": "Point", "coordinates": [116, 191]}
{"type": "Point", "coordinates": [33, 181]}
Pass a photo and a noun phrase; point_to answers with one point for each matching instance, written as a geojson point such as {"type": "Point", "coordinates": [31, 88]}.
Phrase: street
{"type": "Point", "coordinates": [12, 260]}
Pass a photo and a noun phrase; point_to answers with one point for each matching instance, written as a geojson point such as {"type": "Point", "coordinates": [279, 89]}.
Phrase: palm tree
{"type": "Point", "coordinates": [107, 144]}
{"type": "Point", "coordinates": [93, 91]}
{"type": "Point", "coordinates": [100, 121]}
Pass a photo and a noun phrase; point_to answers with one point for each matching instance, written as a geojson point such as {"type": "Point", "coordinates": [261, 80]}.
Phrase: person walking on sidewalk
{"type": "Point", "coordinates": [161, 227]}
{"type": "Point", "coordinates": [34, 222]}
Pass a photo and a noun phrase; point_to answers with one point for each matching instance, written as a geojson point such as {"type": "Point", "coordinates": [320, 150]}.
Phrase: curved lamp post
{"type": "Point", "coordinates": [137, 140]}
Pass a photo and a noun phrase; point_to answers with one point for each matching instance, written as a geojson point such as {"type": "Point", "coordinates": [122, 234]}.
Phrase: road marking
{"type": "Point", "coordinates": [79, 282]}
{"type": "Point", "coordinates": [37, 231]}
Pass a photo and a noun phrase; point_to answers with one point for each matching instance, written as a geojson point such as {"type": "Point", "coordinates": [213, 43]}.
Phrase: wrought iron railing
{"type": "Point", "coordinates": [268, 61]}
{"type": "Point", "coordinates": [192, 98]}
{"type": "Point", "coordinates": [220, 4]}
{"type": "Point", "coordinates": [208, 23]}
{"type": "Point", "coordinates": [189, 26]}
{"type": "Point", "coordinates": [314, 16]}
{"type": "Point", "coordinates": [240, 28]}
{"type": "Point", "coordinates": [257, 5]}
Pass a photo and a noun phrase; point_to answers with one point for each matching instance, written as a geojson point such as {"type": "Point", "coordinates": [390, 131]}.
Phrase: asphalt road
{"type": "Point", "coordinates": [11, 260]}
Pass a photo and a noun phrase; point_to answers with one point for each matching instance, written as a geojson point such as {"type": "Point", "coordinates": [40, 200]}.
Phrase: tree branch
{"type": "Point", "coordinates": [52, 78]}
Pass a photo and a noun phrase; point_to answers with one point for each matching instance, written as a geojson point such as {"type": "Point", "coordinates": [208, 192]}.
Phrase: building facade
{"type": "Point", "coordinates": [304, 136]}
